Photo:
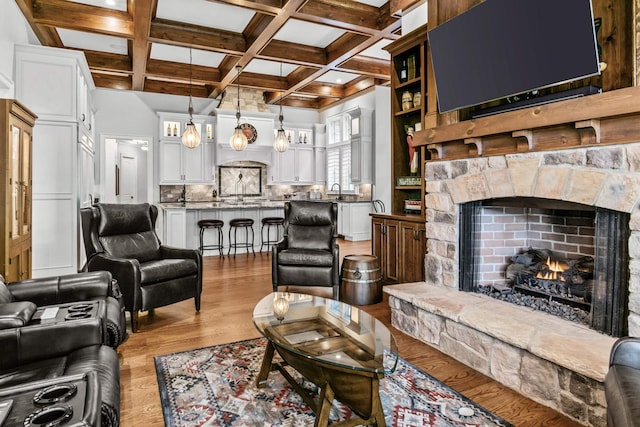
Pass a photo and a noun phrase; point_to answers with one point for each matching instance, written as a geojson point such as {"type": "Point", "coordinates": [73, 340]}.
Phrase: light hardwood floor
{"type": "Point", "coordinates": [231, 288]}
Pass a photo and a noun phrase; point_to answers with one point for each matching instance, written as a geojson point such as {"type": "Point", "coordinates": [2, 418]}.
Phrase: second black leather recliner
{"type": "Point", "coordinates": [307, 258]}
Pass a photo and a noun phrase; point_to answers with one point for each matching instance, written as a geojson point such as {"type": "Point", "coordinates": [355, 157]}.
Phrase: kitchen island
{"type": "Point", "coordinates": [180, 221]}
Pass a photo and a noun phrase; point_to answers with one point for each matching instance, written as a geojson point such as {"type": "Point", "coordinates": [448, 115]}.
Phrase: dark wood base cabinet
{"type": "Point", "coordinates": [399, 243]}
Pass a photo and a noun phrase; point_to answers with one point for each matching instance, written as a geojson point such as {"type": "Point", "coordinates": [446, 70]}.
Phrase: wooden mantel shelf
{"type": "Point", "coordinates": [607, 118]}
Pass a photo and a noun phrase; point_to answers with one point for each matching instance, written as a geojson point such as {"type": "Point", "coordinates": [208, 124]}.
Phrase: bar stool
{"type": "Point", "coordinates": [270, 221]}
{"type": "Point", "coordinates": [234, 225]}
{"type": "Point", "coordinates": [206, 224]}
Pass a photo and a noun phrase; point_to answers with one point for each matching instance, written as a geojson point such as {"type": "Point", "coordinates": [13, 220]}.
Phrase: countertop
{"type": "Point", "coordinates": [249, 204]}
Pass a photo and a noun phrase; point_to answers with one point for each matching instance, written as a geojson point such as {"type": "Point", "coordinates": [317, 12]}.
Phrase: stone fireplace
{"type": "Point", "coordinates": [551, 360]}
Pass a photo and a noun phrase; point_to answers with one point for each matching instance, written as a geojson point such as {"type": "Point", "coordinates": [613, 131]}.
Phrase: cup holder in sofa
{"type": "Point", "coordinates": [75, 315]}
{"type": "Point", "coordinates": [50, 416]}
{"type": "Point", "coordinates": [55, 393]}
{"type": "Point", "coordinates": [80, 308]}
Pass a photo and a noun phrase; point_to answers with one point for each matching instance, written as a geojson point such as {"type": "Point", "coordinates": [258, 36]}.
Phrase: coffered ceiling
{"type": "Point", "coordinates": [327, 49]}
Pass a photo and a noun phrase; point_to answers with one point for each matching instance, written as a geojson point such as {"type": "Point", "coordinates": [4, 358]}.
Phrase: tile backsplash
{"type": "Point", "coordinates": [255, 177]}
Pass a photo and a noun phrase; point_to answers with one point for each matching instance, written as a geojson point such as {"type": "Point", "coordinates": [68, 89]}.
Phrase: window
{"type": "Point", "coordinates": [339, 153]}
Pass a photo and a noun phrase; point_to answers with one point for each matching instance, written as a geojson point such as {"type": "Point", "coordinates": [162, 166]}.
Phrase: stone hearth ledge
{"type": "Point", "coordinates": [570, 345]}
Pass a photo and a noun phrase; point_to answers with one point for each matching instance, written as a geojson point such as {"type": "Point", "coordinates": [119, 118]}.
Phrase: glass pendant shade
{"type": "Point", "coordinates": [190, 137]}
{"type": "Point", "coordinates": [281, 142]}
{"type": "Point", "coordinates": [238, 140]}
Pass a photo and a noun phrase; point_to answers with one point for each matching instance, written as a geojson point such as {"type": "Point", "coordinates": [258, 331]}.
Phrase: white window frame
{"type": "Point", "coordinates": [339, 154]}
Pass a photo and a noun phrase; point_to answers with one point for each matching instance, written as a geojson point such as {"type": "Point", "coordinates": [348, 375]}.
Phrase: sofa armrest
{"type": "Point", "coordinates": [62, 289]}
{"type": "Point", "coordinates": [171, 252]}
{"type": "Point", "coordinates": [16, 314]}
{"type": "Point", "coordinates": [626, 351]}
{"type": "Point", "coordinates": [41, 341]}
{"type": "Point", "coordinates": [278, 247]}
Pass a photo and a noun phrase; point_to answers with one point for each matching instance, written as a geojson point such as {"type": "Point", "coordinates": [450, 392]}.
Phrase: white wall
{"type": "Point", "coordinates": [14, 29]}
{"type": "Point", "coordinates": [123, 114]}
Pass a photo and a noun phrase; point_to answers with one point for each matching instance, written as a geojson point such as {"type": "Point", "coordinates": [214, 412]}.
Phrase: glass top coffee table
{"type": "Point", "coordinates": [340, 348]}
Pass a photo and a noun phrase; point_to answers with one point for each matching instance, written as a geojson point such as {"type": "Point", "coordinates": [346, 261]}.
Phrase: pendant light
{"type": "Point", "coordinates": [238, 140]}
{"type": "Point", "coordinates": [190, 137]}
{"type": "Point", "coordinates": [281, 143]}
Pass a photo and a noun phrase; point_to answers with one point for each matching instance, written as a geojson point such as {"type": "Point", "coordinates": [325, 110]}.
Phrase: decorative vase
{"type": "Point", "coordinates": [417, 99]}
{"type": "Point", "coordinates": [407, 101]}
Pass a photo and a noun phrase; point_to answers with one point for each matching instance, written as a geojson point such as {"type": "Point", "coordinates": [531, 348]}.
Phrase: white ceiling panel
{"type": "Point", "coordinates": [272, 68]}
{"type": "Point", "coordinates": [109, 4]}
{"type": "Point", "coordinates": [205, 13]}
{"type": "Point", "coordinates": [337, 77]}
{"type": "Point", "coordinates": [377, 51]}
{"type": "Point", "coordinates": [91, 41]}
{"type": "Point", "coordinates": [308, 33]}
{"type": "Point", "coordinates": [165, 52]}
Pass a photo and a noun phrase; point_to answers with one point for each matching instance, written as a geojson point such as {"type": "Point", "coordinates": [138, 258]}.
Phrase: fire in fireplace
{"type": "Point", "coordinates": [566, 260]}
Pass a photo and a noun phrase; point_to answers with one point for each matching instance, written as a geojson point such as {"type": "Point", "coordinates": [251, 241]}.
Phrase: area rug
{"type": "Point", "coordinates": [215, 386]}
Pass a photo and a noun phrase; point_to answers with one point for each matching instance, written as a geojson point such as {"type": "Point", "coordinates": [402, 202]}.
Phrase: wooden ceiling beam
{"type": "Point", "coordinates": [299, 54]}
{"type": "Point", "coordinates": [187, 35]}
{"type": "Point", "coordinates": [345, 14]}
{"type": "Point", "coordinates": [178, 71]}
{"type": "Point", "coordinates": [373, 67]}
{"type": "Point", "coordinates": [82, 17]}
{"type": "Point", "coordinates": [175, 88]}
{"type": "Point", "coordinates": [108, 62]}
{"type": "Point", "coordinates": [110, 81]}
{"type": "Point", "coordinates": [143, 12]}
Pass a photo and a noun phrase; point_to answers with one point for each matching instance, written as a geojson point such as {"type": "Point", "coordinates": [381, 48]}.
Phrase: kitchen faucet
{"type": "Point", "coordinates": [339, 190]}
{"type": "Point", "coordinates": [183, 195]}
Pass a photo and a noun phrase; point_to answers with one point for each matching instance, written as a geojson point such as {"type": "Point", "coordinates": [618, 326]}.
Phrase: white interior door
{"type": "Point", "coordinates": [128, 179]}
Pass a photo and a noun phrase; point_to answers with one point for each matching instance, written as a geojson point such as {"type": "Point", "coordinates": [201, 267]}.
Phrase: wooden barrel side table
{"type": "Point", "coordinates": [361, 280]}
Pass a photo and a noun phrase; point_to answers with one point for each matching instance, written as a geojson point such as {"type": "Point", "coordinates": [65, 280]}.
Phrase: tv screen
{"type": "Point", "coordinates": [502, 48]}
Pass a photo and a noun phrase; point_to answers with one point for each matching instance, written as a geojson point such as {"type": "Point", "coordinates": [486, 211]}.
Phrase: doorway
{"type": "Point", "coordinates": [126, 169]}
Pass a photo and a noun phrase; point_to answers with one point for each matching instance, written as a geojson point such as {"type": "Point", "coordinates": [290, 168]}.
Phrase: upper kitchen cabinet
{"type": "Point", "coordinates": [361, 145]}
{"type": "Point", "coordinates": [294, 166]}
{"type": "Point", "coordinates": [56, 83]}
{"type": "Point", "coordinates": [178, 163]}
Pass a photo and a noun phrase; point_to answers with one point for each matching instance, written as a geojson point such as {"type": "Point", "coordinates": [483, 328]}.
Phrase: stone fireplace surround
{"type": "Point", "coordinates": [552, 361]}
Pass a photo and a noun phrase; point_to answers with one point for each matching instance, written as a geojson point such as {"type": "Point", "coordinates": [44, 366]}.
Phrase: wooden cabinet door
{"type": "Point", "coordinates": [377, 244]}
{"type": "Point", "coordinates": [392, 250]}
{"type": "Point", "coordinates": [19, 201]}
{"type": "Point", "coordinates": [413, 249]}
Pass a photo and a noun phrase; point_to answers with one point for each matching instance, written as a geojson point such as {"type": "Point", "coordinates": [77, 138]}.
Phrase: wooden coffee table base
{"type": "Point", "coordinates": [359, 390]}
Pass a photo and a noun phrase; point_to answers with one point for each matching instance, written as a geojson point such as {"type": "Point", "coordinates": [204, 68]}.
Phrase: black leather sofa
{"type": "Point", "coordinates": [622, 384]}
{"type": "Point", "coordinates": [35, 348]}
{"type": "Point", "coordinates": [55, 290]}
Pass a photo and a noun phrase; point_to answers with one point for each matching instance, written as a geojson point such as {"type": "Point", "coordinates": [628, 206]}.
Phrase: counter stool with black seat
{"type": "Point", "coordinates": [234, 225]}
{"type": "Point", "coordinates": [270, 221]}
{"type": "Point", "coordinates": [215, 224]}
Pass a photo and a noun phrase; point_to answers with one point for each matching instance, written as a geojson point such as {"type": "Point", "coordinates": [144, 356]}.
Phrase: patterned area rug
{"type": "Point", "coordinates": [215, 386]}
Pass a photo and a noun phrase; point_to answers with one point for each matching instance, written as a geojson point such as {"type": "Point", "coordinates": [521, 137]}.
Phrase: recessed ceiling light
{"type": "Point", "coordinates": [110, 2]}
{"type": "Point", "coordinates": [338, 80]}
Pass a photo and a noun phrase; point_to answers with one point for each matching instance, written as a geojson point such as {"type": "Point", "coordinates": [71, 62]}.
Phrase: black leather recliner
{"type": "Point", "coordinates": [307, 258]}
{"type": "Point", "coordinates": [55, 290]}
{"type": "Point", "coordinates": [121, 239]}
{"type": "Point", "coordinates": [622, 384]}
{"type": "Point", "coordinates": [40, 350]}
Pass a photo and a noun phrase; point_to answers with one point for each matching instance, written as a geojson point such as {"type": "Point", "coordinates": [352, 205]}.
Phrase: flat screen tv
{"type": "Point", "coordinates": [502, 48]}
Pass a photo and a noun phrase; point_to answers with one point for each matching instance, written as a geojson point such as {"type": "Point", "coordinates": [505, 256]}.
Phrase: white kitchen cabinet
{"type": "Point", "coordinates": [354, 222]}
{"type": "Point", "coordinates": [361, 145]}
{"type": "Point", "coordinates": [178, 163]}
{"type": "Point", "coordinates": [321, 166]}
{"type": "Point", "coordinates": [56, 85]}
{"type": "Point", "coordinates": [294, 166]}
